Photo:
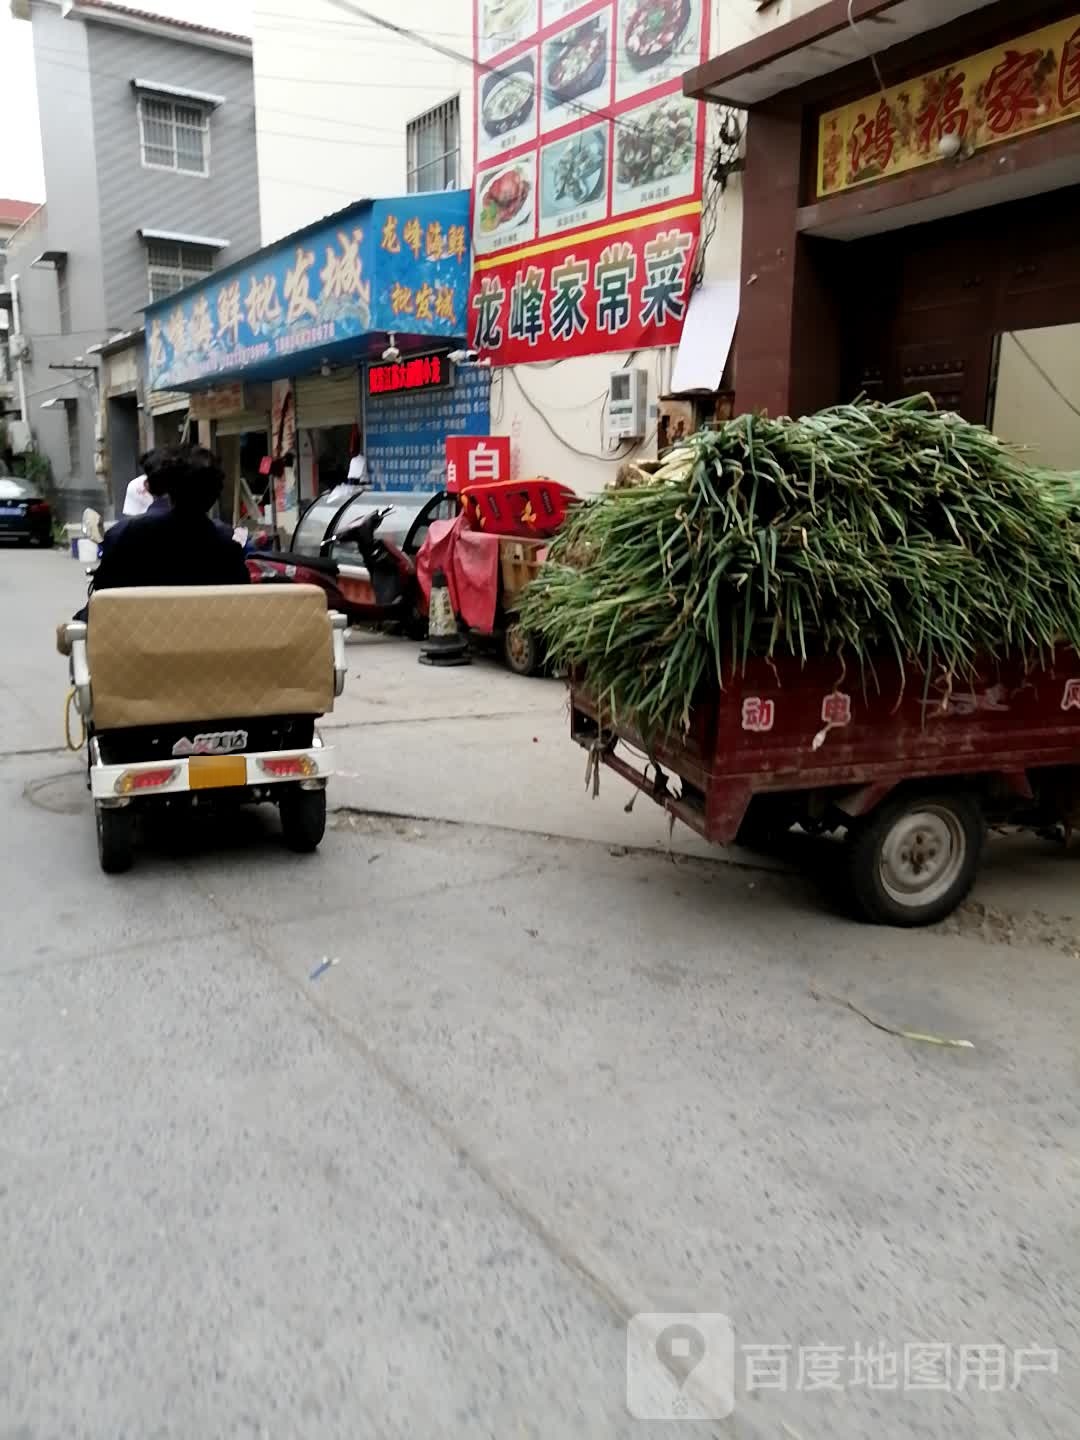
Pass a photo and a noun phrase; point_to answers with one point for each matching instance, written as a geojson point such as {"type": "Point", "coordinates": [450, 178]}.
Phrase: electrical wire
{"type": "Point", "coordinates": [314, 22]}
{"type": "Point", "coordinates": [339, 140]}
{"type": "Point", "coordinates": [497, 393]}
{"type": "Point", "coordinates": [60, 385]}
{"type": "Point", "coordinates": [1043, 374]}
{"type": "Point", "coordinates": [72, 699]}
{"type": "Point", "coordinates": [870, 54]}
{"type": "Point", "coordinates": [599, 114]}
{"type": "Point", "coordinates": [346, 193]}
{"type": "Point", "coordinates": [321, 83]}
{"type": "Point", "coordinates": [448, 52]}
{"type": "Point", "coordinates": [326, 119]}
{"type": "Point", "coordinates": [586, 454]}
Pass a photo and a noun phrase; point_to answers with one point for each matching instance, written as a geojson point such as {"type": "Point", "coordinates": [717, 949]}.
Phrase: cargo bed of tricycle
{"type": "Point", "coordinates": [910, 768]}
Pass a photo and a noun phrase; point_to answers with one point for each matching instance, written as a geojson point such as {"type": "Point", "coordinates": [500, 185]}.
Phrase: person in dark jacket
{"type": "Point", "coordinates": [175, 543]}
{"type": "Point", "coordinates": [155, 464]}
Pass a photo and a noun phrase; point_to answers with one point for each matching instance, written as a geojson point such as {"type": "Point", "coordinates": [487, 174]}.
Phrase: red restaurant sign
{"type": "Point", "coordinates": [588, 175]}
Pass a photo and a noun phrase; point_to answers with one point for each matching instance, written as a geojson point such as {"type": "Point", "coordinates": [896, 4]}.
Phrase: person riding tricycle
{"type": "Point", "coordinates": [195, 687]}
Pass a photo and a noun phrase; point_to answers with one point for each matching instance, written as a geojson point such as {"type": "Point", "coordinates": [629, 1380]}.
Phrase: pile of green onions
{"type": "Point", "coordinates": [863, 531]}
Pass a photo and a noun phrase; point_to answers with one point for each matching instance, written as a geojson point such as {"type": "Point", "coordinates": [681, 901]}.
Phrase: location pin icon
{"type": "Point", "coordinates": [680, 1349]}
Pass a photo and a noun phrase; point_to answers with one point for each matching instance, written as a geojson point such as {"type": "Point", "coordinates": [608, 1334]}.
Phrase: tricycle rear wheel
{"type": "Point", "coordinates": [913, 860]}
{"type": "Point", "coordinates": [521, 649]}
{"type": "Point", "coordinates": [115, 837]}
{"type": "Point", "coordinates": [303, 818]}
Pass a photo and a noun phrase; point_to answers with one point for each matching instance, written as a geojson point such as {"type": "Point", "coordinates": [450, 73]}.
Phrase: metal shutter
{"type": "Point", "coordinates": [324, 400]}
{"type": "Point", "coordinates": [242, 424]}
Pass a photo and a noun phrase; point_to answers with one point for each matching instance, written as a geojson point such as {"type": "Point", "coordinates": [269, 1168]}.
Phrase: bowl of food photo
{"type": "Point", "coordinates": [508, 99]}
{"type": "Point", "coordinates": [577, 62]}
{"type": "Point", "coordinates": [653, 31]}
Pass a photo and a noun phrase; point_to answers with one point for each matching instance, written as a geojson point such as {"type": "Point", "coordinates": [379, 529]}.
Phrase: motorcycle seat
{"type": "Point", "coordinates": [321, 563]}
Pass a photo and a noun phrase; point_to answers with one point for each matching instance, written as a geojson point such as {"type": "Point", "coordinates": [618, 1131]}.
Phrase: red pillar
{"type": "Point", "coordinates": [788, 348]}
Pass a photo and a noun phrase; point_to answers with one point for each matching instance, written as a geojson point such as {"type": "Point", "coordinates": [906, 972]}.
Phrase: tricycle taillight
{"type": "Point", "coordinates": [134, 781]}
{"type": "Point", "coordinates": [289, 767]}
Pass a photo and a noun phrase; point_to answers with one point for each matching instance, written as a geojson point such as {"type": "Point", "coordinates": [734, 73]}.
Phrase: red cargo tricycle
{"type": "Point", "coordinates": [911, 769]}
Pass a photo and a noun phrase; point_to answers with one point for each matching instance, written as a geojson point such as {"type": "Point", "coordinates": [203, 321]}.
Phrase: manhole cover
{"type": "Point", "coordinates": [61, 794]}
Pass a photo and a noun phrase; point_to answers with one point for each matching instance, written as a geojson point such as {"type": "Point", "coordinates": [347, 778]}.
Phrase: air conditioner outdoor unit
{"type": "Point", "coordinates": [628, 404]}
{"type": "Point", "coordinates": [19, 437]}
{"type": "Point", "coordinates": [19, 348]}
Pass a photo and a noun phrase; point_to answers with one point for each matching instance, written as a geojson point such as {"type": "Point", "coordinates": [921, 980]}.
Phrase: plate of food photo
{"type": "Point", "coordinates": [575, 172]}
{"type": "Point", "coordinates": [506, 200]}
{"type": "Point", "coordinates": [502, 19]}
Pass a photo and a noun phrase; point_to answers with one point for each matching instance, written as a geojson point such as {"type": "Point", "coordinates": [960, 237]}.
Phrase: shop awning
{"type": "Point", "coordinates": [835, 34]}
{"type": "Point", "coordinates": [706, 339]}
{"type": "Point", "coordinates": [329, 294]}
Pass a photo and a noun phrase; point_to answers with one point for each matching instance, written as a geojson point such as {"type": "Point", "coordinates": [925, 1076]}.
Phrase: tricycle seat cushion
{"type": "Point", "coordinates": [170, 654]}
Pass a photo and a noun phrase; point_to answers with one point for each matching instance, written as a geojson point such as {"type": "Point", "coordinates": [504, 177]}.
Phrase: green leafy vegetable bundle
{"type": "Point", "coordinates": [861, 531]}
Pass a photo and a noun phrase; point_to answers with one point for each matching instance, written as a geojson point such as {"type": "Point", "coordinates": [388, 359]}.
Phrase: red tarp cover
{"type": "Point", "coordinates": [470, 561]}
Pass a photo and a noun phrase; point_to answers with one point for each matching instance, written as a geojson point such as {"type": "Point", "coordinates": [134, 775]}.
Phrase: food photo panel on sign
{"type": "Point", "coordinates": [576, 72]}
{"type": "Point", "coordinates": [573, 180]}
{"type": "Point", "coordinates": [656, 40]}
{"type": "Point", "coordinates": [655, 154]}
{"type": "Point", "coordinates": [505, 205]}
{"type": "Point", "coordinates": [503, 23]}
{"type": "Point", "coordinates": [507, 107]}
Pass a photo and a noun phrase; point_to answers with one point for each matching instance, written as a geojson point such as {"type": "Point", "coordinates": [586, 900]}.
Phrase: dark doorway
{"type": "Point", "coordinates": [123, 446]}
{"type": "Point", "coordinates": [923, 307]}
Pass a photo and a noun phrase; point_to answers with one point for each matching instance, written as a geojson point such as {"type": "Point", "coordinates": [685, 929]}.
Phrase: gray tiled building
{"type": "Point", "coordinates": [148, 140]}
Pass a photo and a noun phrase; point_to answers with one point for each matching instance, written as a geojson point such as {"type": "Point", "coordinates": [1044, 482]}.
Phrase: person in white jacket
{"type": "Point", "coordinates": [138, 497]}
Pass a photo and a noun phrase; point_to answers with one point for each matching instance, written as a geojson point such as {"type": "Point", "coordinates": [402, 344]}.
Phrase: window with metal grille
{"type": "Point", "coordinates": [434, 148]}
{"type": "Point", "coordinates": [174, 136]}
{"type": "Point", "coordinates": [171, 267]}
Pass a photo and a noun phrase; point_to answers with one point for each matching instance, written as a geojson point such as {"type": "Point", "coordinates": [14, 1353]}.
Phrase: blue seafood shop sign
{"type": "Point", "coordinates": [384, 265]}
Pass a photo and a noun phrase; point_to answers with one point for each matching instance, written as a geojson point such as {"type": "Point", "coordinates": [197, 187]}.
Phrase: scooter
{"type": "Point", "coordinates": [381, 588]}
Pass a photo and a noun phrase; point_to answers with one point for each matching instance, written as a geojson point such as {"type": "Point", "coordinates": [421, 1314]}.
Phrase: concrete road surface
{"type": "Point", "coordinates": [560, 1075]}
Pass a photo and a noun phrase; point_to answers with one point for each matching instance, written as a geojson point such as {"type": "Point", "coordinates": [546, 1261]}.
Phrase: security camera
{"type": "Point", "coordinates": [949, 146]}
{"type": "Point", "coordinates": [463, 357]}
{"type": "Point", "coordinates": [391, 354]}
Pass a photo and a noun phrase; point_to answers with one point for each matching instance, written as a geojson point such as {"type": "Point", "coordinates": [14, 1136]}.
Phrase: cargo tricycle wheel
{"type": "Point", "coordinates": [521, 648]}
{"type": "Point", "coordinates": [303, 818]}
{"type": "Point", "coordinates": [115, 838]}
{"type": "Point", "coordinates": [913, 860]}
